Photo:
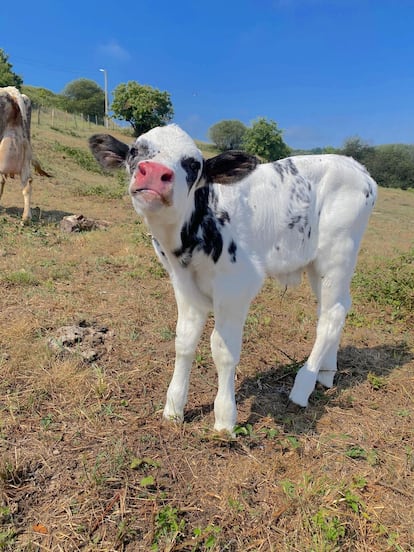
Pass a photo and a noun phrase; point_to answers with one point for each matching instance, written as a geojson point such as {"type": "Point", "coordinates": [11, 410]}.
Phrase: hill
{"type": "Point", "coordinates": [86, 352]}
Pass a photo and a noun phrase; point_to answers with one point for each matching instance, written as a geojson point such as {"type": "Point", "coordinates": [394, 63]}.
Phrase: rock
{"type": "Point", "coordinates": [84, 339]}
{"type": "Point", "coordinates": [69, 335]}
{"type": "Point", "coordinates": [79, 223]}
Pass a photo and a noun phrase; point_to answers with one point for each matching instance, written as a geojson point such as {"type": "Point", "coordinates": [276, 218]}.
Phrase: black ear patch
{"type": "Point", "coordinates": [229, 167]}
{"type": "Point", "coordinates": [108, 151]}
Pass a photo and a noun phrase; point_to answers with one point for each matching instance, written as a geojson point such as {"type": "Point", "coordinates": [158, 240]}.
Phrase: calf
{"type": "Point", "coordinates": [15, 147]}
{"type": "Point", "coordinates": [221, 225]}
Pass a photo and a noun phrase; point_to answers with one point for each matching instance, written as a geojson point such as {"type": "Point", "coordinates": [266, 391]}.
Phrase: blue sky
{"type": "Point", "coordinates": [324, 70]}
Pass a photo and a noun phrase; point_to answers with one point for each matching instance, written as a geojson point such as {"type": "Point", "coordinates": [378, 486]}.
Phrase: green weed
{"type": "Point", "coordinates": [353, 501]}
{"type": "Point", "coordinates": [356, 452]}
{"type": "Point", "coordinates": [289, 488]}
{"type": "Point", "coordinates": [390, 283]}
{"type": "Point", "coordinates": [167, 334]}
{"type": "Point", "coordinates": [21, 277]}
{"type": "Point", "coordinates": [246, 430]}
{"type": "Point", "coordinates": [292, 442]}
{"type": "Point", "coordinates": [330, 528]}
{"type": "Point", "coordinates": [169, 528]}
{"type": "Point", "coordinates": [7, 539]}
{"type": "Point", "coordinates": [377, 382]}
{"type": "Point", "coordinates": [142, 463]}
{"type": "Point", "coordinates": [147, 481]}
{"type": "Point", "coordinates": [101, 387]}
{"type": "Point", "coordinates": [206, 538]}
{"type": "Point", "coordinates": [409, 451]}
{"type": "Point", "coordinates": [46, 421]}
{"type": "Point", "coordinates": [270, 432]}
{"type": "Point", "coordinates": [236, 505]}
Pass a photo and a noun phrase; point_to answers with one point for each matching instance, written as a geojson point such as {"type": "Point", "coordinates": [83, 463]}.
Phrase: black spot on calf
{"type": "Point", "coordinates": [201, 232]}
{"type": "Point", "coordinates": [232, 249]}
{"type": "Point", "coordinates": [279, 169]}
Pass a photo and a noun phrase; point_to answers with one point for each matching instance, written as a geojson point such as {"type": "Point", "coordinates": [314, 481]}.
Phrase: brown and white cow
{"type": "Point", "coordinates": [15, 147]}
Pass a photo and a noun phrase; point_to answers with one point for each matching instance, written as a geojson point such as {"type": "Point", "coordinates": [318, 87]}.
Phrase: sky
{"type": "Point", "coordinates": [323, 70]}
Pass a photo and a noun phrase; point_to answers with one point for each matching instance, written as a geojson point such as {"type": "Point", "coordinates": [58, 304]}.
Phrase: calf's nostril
{"type": "Point", "coordinates": [166, 177]}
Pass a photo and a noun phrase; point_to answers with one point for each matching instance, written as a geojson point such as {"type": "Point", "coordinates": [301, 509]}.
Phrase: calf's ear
{"type": "Point", "coordinates": [108, 151]}
{"type": "Point", "coordinates": [229, 167]}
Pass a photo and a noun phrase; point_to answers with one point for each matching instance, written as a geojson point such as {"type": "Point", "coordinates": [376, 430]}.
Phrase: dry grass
{"type": "Point", "coordinates": [86, 462]}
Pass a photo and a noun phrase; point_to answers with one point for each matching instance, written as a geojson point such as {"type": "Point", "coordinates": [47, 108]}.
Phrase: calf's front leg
{"type": "Point", "coordinates": [226, 341]}
{"type": "Point", "coordinates": [190, 324]}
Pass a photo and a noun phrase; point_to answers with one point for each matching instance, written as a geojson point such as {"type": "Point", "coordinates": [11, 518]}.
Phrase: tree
{"type": "Point", "coordinates": [7, 76]}
{"type": "Point", "coordinates": [142, 106]}
{"type": "Point", "coordinates": [227, 135]}
{"type": "Point", "coordinates": [392, 166]}
{"type": "Point", "coordinates": [86, 97]}
{"type": "Point", "coordinates": [265, 140]}
{"type": "Point", "coordinates": [357, 148]}
{"type": "Point", "coordinates": [42, 97]}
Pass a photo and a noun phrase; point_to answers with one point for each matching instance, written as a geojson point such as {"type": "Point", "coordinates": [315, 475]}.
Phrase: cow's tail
{"type": "Point", "coordinates": [38, 169]}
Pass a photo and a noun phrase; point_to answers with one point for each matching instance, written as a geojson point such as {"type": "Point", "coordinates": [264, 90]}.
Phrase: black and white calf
{"type": "Point", "coordinates": [221, 225]}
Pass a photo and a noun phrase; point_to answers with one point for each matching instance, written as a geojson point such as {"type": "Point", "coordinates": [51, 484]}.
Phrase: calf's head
{"type": "Point", "coordinates": [165, 166]}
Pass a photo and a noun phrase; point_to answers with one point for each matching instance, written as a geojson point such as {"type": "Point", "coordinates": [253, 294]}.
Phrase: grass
{"type": "Point", "coordinates": [86, 462]}
{"type": "Point", "coordinates": [389, 283]}
{"type": "Point", "coordinates": [83, 158]}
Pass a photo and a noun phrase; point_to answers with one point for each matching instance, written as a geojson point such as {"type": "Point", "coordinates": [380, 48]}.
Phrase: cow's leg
{"type": "Point", "coordinates": [332, 287]}
{"type": "Point", "coordinates": [190, 324]}
{"type": "Point", "coordinates": [2, 182]}
{"type": "Point", "coordinates": [27, 196]}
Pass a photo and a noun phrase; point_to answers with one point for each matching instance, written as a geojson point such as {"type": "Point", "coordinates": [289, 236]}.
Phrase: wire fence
{"type": "Point", "coordinates": [55, 118]}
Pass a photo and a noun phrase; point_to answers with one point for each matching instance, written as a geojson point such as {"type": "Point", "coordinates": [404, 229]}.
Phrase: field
{"type": "Point", "coordinates": [86, 462]}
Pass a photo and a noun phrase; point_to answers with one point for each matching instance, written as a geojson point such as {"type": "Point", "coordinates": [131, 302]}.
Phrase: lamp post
{"type": "Point", "coordinates": [106, 95]}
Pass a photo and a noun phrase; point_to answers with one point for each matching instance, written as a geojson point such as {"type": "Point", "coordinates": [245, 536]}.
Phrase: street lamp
{"type": "Point", "coordinates": [106, 95]}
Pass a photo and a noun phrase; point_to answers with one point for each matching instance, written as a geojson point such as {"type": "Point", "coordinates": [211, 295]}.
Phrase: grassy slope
{"type": "Point", "coordinates": [86, 462]}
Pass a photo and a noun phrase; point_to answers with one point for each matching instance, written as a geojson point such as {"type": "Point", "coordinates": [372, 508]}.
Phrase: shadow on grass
{"type": "Point", "coordinates": [39, 216]}
{"type": "Point", "coordinates": [269, 391]}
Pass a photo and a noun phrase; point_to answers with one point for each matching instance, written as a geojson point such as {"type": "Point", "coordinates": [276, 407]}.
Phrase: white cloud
{"type": "Point", "coordinates": [114, 50]}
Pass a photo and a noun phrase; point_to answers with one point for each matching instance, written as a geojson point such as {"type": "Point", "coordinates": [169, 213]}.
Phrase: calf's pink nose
{"type": "Point", "coordinates": [151, 172]}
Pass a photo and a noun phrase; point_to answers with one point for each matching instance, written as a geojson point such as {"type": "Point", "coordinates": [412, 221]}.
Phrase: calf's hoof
{"type": "Point", "coordinates": [305, 382]}
{"type": "Point", "coordinates": [326, 378]}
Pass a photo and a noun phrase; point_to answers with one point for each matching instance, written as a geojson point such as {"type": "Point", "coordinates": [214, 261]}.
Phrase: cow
{"type": "Point", "coordinates": [221, 225]}
{"type": "Point", "coordinates": [15, 146]}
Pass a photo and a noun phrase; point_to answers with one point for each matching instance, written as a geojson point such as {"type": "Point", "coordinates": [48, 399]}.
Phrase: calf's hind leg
{"type": "Point", "coordinates": [332, 288]}
{"type": "Point", "coordinates": [328, 366]}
